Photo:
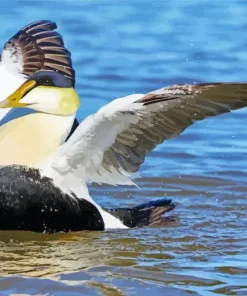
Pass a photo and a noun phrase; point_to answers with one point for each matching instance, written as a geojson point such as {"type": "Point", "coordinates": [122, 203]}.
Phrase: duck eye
{"type": "Point", "coordinates": [46, 81]}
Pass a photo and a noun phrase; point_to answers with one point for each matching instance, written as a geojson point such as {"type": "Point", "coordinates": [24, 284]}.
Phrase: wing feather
{"type": "Point", "coordinates": [110, 146]}
{"type": "Point", "coordinates": [36, 47]}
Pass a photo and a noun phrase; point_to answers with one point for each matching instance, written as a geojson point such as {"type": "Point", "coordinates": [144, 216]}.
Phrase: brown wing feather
{"type": "Point", "coordinates": [39, 47]}
{"type": "Point", "coordinates": [172, 110]}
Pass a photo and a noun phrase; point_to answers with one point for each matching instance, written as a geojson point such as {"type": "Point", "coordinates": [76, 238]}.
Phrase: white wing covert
{"type": "Point", "coordinates": [110, 145]}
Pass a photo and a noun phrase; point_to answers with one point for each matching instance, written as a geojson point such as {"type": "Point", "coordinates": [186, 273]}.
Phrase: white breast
{"type": "Point", "coordinates": [30, 139]}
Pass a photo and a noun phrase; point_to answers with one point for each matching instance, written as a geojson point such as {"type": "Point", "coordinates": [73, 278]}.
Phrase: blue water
{"type": "Point", "coordinates": [124, 47]}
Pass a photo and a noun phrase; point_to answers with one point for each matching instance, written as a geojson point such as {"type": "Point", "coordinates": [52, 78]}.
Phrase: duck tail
{"type": "Point", "coordinates": [146, 214]}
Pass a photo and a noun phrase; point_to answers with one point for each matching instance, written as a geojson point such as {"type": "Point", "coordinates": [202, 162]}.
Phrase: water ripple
{"type": "Point", "coordinates": [119, 48]}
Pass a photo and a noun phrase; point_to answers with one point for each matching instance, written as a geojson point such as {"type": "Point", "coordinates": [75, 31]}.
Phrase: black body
{"type": "Point", "coordinates": [31, 202]}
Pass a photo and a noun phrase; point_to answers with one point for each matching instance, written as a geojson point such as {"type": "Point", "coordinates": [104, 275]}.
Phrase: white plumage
{"type": "Point", "coordinates": [110, 145]}
{"type": "Point", "coordinates": [11, 77]}
{"type": "Point", "coordinates": [34, 48]}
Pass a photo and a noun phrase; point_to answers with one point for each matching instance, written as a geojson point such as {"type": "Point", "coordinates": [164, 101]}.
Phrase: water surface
{"type": "Point", "coordinates": [125, 47]}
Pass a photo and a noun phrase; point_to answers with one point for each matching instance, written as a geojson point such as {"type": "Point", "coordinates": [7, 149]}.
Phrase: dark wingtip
{"type": "Point", "coordinates": [147, 214]}
{"type": "Point", "coordinates": [45, 24]}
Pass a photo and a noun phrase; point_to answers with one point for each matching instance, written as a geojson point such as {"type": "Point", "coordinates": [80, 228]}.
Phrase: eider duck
{"type": "Point", "coordinates": [34, 48]}
{"type": "Point", "coordinates": [107, 147]}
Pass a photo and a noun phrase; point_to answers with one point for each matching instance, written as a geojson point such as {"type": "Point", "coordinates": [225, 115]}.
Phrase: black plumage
{"type": "Point", "coordinates": [29, 201]}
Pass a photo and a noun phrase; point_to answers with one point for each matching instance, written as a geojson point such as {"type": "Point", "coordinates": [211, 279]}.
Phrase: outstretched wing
{"type": "Point", "coordinates": [110, 145]}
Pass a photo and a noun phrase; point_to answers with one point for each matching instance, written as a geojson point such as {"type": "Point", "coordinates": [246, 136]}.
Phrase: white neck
{"type": "Point", "coordinates": [30, 139]}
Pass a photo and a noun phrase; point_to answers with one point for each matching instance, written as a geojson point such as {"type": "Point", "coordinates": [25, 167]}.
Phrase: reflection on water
{"type": "Point", "coordinates": [204, 251]}
{"type": "Point", "coordinates": [119, 48]}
